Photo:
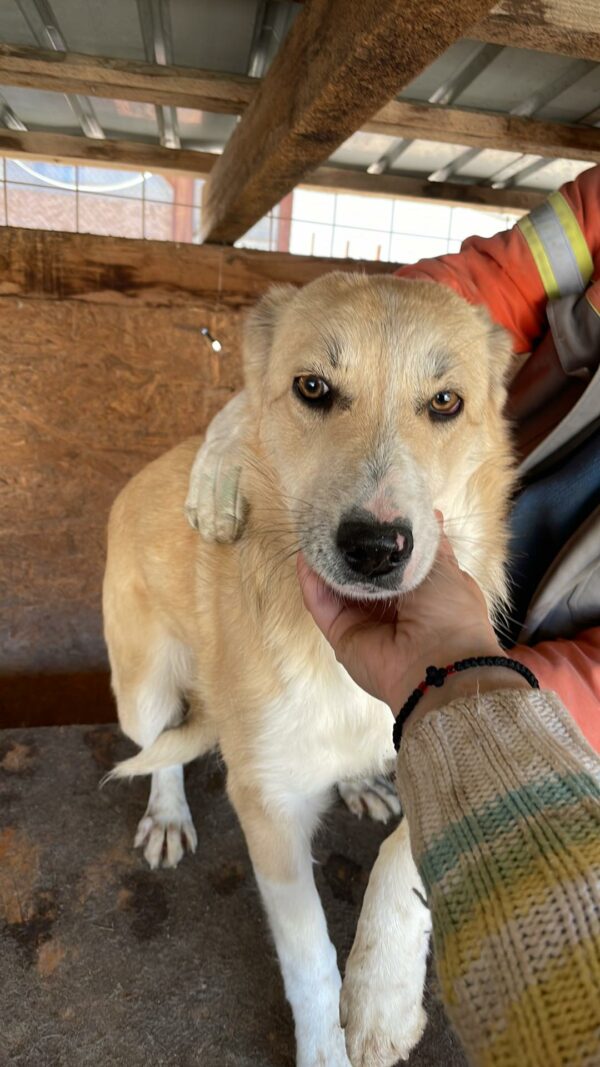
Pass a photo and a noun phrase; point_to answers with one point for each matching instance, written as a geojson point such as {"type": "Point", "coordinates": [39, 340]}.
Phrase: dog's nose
{"type": "Point", "coordinates": [374, 548]}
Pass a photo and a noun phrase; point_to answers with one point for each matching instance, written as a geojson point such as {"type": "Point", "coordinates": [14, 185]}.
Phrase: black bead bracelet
{"type": "Point", "coordinates": [436, 676]}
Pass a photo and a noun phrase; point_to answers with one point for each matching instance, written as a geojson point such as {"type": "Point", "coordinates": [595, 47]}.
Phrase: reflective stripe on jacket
{"type": "Point", "coordinates": [535, 280]}
{"type": "Point", "coordinates": [553, 252]}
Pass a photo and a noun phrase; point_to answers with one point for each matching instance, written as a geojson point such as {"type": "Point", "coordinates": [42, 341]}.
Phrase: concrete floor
{"type": "Point", "coordinates": [104, 962]}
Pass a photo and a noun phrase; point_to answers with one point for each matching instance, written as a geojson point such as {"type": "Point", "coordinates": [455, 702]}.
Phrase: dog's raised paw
{"type": "Point", "coordinates": [165, 839]}
{"type": "Point", "coordinates": [376, 797]}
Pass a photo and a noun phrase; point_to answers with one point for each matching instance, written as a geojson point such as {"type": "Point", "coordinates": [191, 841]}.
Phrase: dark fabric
{"type": "Point", "coordinates": [545, 515]}
{"type": "Point", "coordinates": [557, 374]}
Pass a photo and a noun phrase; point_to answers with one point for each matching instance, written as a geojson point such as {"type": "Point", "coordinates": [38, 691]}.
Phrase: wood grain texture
{"type": "Point", "coordinates": [336, 179]}
{"type": "Point", "coordinates": [477, 129]}
{"type": "Point", "coordinates": [60, 148]}
{"type": "Point", "coordinates": [124, 155]}
{"type": "Point", "coordinates": [88, 394]}
{"type": "Point", "coordinates": [483, 130]}
{"type": "Point", "coordinates": [43, 69]}
{"type": "Point", "coordinates": [125, 79]}
{"type": "Point", "coordinates": [43, 263]}
{"type": "Point", "coordinates": [341, 61]}
{"type": "Point", "coordinates": [564, 27]}
{"type": "Point", "coordinates": [102, 368]}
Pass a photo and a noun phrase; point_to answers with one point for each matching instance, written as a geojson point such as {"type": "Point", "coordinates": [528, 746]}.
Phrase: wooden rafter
{"type": "Point", "coordinates": [567, 27]}
{"type": "Point", "coordinates": [134, 155]}
{"type": "Point", "coordinates": [124, 79]}
{"type": "Point", "coordinates": [120, 155]}
{"type": "Point", "coordinates": [480, 129]}
{"type": "Point", "coordinates": [341, 61]}
{"type": "Point", "coordinates": [184, 87]}
{"type": "Point", "coordinates": [358, 181]}
{"type": "Point", "coordinates": [564, 27]}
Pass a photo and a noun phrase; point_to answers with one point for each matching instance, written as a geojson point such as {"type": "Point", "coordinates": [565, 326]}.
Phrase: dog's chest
{"type": "Point", "coordinates": [321, 730]}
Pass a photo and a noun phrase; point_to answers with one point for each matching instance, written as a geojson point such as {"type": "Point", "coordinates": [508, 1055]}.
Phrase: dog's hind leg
{"type": "Point", "coordinates": [167, 826]}
{"type": "Point", "coordinates": [376, 797]}
{"type": "Point", "coordinates": [150, 672]}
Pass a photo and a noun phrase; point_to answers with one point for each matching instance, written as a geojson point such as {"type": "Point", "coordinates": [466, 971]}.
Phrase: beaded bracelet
{"type": "Point", "coordinates": [435, 676]}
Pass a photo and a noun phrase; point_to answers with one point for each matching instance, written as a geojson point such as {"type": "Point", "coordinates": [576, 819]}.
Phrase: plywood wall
{"type": "Point", "coordinates": [102, 368]}
{"type": "Point", "coordinates": [88, 394]}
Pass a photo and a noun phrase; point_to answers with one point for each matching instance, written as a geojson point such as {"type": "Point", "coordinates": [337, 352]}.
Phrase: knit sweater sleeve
{"type": "Point", "coordinates": [502, 795]}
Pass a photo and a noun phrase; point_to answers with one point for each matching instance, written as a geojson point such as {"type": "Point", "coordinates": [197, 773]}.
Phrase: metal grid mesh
{"type": "Point", "coordinates": [144, 205]}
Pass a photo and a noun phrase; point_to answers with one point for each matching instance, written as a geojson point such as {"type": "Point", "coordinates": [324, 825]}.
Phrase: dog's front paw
{"type": "Point", "coordinates": [382, 1023]}
{"type": "Point", "coordinates": [330, 1051]}
{"type": "Point", "coordinates": [376, 796]}
{"type": "Point", "coordinates": [164, 837]}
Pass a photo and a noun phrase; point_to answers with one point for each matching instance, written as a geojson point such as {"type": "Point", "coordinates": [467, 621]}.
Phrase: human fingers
{"type": "Point", "coordinates": [333, 614]}
{"type": "Point", "coordinates": [446, 617]}
{"type": "Point", "coordinates": [361, 635]}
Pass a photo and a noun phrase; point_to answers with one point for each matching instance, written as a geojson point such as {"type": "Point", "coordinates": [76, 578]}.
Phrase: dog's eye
{"type": "Point", "coordinates": [445, 405]}
{"type": "Point", "coordinates": [313, 390]}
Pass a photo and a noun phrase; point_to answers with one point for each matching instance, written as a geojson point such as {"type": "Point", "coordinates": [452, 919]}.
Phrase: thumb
{"type": "Point", "coordinates": [336, 617]}
{"type": "Point", "coordinates": [363, 644]}
{"type": "Point", "coordinates": [331, 614]}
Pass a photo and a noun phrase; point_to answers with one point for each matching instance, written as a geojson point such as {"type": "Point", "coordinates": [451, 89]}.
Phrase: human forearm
{"type": "Point", "coordinates": [502, 797]}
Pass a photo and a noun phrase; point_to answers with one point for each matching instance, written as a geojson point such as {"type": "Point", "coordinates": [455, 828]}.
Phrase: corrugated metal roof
{"type": "Point", "coordinates": [241, 36]}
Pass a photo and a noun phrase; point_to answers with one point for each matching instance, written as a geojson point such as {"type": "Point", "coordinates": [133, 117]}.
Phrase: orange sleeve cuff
{"type": "Point", "coordinates": [571, 669]}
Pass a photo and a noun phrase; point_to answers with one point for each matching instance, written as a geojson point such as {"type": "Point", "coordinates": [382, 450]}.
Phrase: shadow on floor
{"type": "Point", "coordinates": [104, 962]}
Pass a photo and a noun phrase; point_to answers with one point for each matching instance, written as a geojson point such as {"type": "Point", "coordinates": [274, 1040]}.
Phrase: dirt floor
{"type": "Point", "coordinates": [104, 962]}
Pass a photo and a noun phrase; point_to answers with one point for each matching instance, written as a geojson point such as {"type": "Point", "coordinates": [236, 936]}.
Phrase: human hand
{"type": "Point", "coordinates": [387, 648]}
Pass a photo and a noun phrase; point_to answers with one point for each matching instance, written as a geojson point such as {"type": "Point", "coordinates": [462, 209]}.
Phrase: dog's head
{"type": "Point", "coordinates": [374, 400]}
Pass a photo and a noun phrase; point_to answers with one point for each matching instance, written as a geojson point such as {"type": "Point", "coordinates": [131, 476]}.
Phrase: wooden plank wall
{"type": "Point", "coordinates": [102, 368]}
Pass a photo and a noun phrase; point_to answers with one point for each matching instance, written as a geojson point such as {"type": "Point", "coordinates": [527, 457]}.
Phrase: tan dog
{"type": "Point", "coordinates": [372, 402]}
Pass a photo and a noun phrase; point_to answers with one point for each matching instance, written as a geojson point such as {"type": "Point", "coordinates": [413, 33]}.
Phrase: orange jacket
{"type": "Point", "coordinates": [502, 273]}
{"type": "Point", "coordinates": [572, 669]}
{"type": "Point", "coordinates": [513, 276]}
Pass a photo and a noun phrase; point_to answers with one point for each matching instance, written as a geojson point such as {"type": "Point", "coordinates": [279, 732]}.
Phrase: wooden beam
{"type": "Point", "coordinates": [177, 163]}
{"type": "Point", "coordinates": [37, 68]}
{"type": "Point", "coordinates": [480, 129]}
{"type": "Point", "coordinates": [454, 193]}
{"type": "Point", "coordinates": [341, 61]}
{"type": "Point", "coordinates": [568, 27]}
{"type": "Point", "coordinates": [120, 155]}
{"type": "Point", "coordinates": [125, 79]}
{"type": "Point", "coordinates": [73, 266]}
{"type": "Point", "coordinates": [396, 119]}
{"type": "Point", "coordinates": [55, 699]}
{"type": "Point", "coordinates": [210, 91]}
{"type": "Point", "coordinates": [564, 27]}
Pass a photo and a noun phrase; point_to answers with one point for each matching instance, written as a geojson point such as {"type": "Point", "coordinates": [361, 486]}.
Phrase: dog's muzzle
{"type": "Point", "coordinates": [373, 549]}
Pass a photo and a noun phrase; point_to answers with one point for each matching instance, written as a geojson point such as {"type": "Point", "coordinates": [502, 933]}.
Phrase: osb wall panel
{"type": "Point", "coordinates": [88, 394]}
{"type": "Point", "coordinates": [102, 368]}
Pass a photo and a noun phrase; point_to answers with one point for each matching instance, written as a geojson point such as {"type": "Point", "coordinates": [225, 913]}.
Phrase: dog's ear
{"type": "Point", "coordinates": [501, 356]}
{"type": "Point", "coordinates": [260, 329]}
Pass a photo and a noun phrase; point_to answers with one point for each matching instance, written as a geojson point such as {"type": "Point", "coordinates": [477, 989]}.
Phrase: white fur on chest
{"type": "Point", "coordinates": [323, 729]}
